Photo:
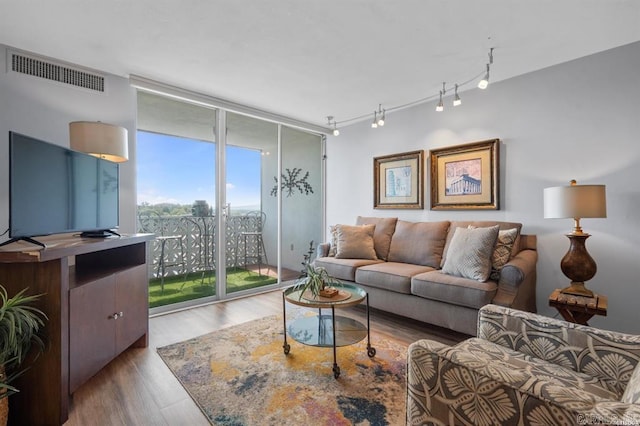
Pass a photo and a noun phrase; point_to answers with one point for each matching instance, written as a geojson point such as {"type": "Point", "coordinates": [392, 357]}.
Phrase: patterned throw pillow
{"type": "Point", "coordinates": [502, 251]}
{"type": "Point", "coordinates": [355, 242]}
{"type": "Point", "coordinates": [631, 393]}
{"type": "Point", "coordinates": [333, 230]}
{"type": "Point", "coordinates": [469, 253]}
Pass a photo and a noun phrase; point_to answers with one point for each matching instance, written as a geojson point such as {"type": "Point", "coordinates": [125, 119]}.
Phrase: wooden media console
{"type": "Point", "coordinates": [95, 295]}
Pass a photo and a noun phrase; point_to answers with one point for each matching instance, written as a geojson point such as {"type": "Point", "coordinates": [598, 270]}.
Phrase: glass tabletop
{"type": "Point", "coordinates": [356, 295]}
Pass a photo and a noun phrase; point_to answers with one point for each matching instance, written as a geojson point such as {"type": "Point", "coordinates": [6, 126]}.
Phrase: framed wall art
{"type": "Point", "coordinates": [466, 176]}
{"type": "Point", "coordinates": [398, 181]}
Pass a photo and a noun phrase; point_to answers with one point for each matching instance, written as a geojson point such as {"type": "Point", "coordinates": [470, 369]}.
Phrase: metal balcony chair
{"type": "Point", "coordinates": [251, 240]}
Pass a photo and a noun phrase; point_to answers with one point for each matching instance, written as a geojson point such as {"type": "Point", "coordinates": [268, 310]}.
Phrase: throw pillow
{"type": "Point", "coordinates": [333, 230]}
{"type": "Point", "coordinates": [631, 393]}
{"type": "Point", "coordinates": [469, 253]}
{"type": "Point", "coordinates": [355, 242]}
{"type": "Point", "coordinates": [502, 251]}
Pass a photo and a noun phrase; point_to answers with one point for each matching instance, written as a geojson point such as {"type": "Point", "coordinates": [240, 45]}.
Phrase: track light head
{"type": "Point", "coordinates": [336, 132]}
{"type": "Point", "coordinates": [456, 100]}
{"type": "Point", "coordinates": [381, 119]}
{"type": "Point", "coordinates": [374, 123]}
{"type": "Point", "coordinates": [482, 84]}
{"type": "Point", "coordinates": [440, 106]}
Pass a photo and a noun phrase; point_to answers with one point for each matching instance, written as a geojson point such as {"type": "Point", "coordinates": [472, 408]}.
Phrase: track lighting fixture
{"type": "Point", "coordinates": [381, 113]}
{"type": "Point", "coordinates": [440, 106]}
{"type": "Point", "coordinates": [482, 84]}
{"type": "Point", "coordinates": [456, 100]}
{"type": "Point", "coordinates": [336, 132]}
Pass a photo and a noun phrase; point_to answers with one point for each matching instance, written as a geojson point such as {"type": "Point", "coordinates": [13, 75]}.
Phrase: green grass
{"type": "Point", "coordinates": [178, 289]}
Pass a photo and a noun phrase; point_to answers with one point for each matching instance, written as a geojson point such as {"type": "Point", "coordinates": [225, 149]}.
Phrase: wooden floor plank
{"type": "Point", "coordinates": [137, 388]}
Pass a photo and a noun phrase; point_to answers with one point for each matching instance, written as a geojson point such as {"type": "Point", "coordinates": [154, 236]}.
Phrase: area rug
{"type": "Point", "coordinates": [241, 376]}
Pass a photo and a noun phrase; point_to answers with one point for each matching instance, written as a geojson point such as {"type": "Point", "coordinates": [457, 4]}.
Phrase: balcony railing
{"type": "Point", "coordinates": [192, 246]}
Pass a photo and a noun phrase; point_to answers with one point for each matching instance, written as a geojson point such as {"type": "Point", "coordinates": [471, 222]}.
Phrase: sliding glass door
{"type": "Point", "coordinates": [234, 201]}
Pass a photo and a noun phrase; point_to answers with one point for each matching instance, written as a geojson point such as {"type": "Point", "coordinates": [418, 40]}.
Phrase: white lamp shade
{"type": "Point", "coordinates": [100, 140]}
{"type": "Point", "coordinates": [575, 201]}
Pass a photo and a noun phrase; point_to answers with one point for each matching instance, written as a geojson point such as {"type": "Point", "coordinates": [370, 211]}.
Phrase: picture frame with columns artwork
{"type": "Point", "coordinates": [466, 177]}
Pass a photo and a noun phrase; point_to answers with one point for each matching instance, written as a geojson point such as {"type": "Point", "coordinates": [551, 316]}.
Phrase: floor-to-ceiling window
{"type": "Point", "coordinates": [267, 196]}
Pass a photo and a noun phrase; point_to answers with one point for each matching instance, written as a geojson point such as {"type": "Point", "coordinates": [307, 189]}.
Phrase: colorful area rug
{"type": "Point", "coordinates": [241, 376]}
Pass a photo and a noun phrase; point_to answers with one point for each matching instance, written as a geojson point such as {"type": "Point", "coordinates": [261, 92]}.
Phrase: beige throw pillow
{"type": "Point", "coordinates": [469, 253]}
{"type": "Point", "coordinates": [631, 393]}
{"type": "Point", "coordinates": [355, 242]}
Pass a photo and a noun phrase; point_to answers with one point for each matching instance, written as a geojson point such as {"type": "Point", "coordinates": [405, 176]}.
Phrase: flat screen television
{"type": "Point", "coordinates": [55, 190]}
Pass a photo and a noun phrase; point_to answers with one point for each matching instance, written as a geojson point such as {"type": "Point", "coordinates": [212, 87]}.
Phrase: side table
{"type": "Point", "coordinates": [578, 309]}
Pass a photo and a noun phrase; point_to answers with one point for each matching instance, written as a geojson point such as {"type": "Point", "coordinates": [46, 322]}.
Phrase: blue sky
{"type": "Point", "coordinates": [178, 170]}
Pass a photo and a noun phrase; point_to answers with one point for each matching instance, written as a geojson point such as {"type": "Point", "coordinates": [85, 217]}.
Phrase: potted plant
{"type": "Point", "coordinates": [315, 279]}
{"type": "Point", "coordinates": [20, 323]}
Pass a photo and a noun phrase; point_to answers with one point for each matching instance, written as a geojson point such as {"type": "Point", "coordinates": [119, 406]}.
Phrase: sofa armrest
{"type": "Point", "coordinates": [606, 355]}
{"type": "Point", "coordinates": [322, 250]}
{"type": "Point", "coordinates": [517, 284]}
{"type": "Point", "coordinates": [422, 360]}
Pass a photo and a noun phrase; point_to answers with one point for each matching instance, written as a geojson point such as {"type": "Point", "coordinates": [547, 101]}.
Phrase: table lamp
{"type": "Point", "coordinates": [576, 202]}
{"type": "Point", "coordinates": [99, 139]}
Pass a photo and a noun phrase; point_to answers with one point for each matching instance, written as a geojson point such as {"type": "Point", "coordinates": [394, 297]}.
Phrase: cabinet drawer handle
{"type": "Point", "coordinates": [116, 315]}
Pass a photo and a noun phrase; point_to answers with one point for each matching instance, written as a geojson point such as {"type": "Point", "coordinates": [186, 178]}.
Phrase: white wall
{"type": "Point", "coordinates": [578, 120]}
{"type": "Point", "coordinates": [42, 109]}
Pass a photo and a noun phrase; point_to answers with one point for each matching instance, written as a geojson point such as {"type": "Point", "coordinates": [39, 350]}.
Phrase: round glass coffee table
{"type": "Point", "coordinates": [327, 331]}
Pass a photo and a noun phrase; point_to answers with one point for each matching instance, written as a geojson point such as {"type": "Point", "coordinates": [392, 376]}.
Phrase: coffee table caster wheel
{"type": "Point", "coordinates": [336, 371]}
{"type": "Point", "coordinates": [371, 352]}
{"type": "Point", "coordinates": [287, 348]}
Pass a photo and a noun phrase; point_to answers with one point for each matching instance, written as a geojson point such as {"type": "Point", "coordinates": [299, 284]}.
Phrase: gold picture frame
{"type": "Point", "coordinates": [466, 176]}
{"type": "Point", "coordinates": [398, 181]}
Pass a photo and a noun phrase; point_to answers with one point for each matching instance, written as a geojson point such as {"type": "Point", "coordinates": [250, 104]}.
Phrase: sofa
{"type": "Point", "coordinates": [440, 273]}
{"type": "Point", "coordinates": [525, 369]}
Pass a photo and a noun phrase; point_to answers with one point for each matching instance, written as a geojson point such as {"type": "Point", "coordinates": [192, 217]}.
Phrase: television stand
{"type": "Point", "coordinates": [95, 295]}
{"type": "Point", "coordinates": [104, 233]}
{"type": "Point", "coordinates": [27, 239]}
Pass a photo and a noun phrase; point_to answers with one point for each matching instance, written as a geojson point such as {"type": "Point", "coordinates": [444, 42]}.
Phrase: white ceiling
{"type": "Point", "coordinates": [309, 59]}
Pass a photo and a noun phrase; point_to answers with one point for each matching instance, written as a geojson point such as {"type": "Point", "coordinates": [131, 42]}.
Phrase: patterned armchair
{"type": "Point", "coordinates": [525, 369]}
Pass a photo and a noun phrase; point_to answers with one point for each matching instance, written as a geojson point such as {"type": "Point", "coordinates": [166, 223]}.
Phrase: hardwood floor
{"type": "Point", "coordinates": [137, 388]}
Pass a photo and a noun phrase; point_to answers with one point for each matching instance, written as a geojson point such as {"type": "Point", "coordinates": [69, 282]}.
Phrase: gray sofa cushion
{"type": "Point", "coordinates": [391, 276]}
{"type": "Point", "coordinates": [419, 243]}
{"type": "Point", "coordinates": [342, 269]}
{"type": "Point", "coordinates": [385, 226]}
{"type": "Point", "coordinates": [455, 290]}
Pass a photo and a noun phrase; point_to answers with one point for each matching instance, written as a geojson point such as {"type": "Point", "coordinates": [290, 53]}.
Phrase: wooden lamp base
{"type": "Point", "coordinates": [578, 265]}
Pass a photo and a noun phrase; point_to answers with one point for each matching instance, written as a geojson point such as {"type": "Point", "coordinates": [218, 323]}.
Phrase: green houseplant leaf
{"type": "Point", "coordinates": [313, 278]}
{"type": "Point", "coordinates": [20, 323]}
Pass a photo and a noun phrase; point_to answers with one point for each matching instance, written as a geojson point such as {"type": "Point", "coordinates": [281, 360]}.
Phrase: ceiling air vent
{"type": "Point", "coordinates": [51, 71]}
